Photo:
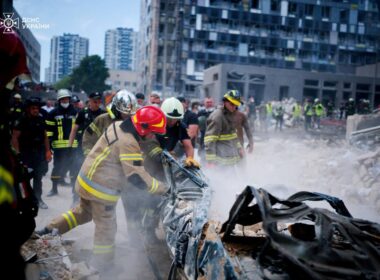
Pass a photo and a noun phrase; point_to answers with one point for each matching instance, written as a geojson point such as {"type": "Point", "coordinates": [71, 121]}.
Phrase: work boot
{"type": "Point", "coordinates": [46, 230]}
{"type": "Point", "coordinates": [42, 204]}
{"type": "Point", "coordinates": [63, 183]}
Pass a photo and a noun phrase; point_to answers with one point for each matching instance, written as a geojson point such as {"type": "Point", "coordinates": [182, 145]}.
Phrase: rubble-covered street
{"type": "Point", "coordinates": [282, 163]}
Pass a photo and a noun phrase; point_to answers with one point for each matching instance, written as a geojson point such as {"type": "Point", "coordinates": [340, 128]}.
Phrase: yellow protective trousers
{"type": "Point", "coordinates": [104, 216]}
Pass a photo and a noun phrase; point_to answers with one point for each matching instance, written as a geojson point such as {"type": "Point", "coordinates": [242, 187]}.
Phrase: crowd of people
{"type": "Point", "coordinates": [111, 151]}
{"type": "Point", "coordinates": [105, 149]}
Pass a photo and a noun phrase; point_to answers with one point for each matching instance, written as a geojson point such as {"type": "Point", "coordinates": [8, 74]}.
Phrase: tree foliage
{"type": "Point", "coordinates": [90, 75]}
{"type": "Point", "coordinates": [65, 82]}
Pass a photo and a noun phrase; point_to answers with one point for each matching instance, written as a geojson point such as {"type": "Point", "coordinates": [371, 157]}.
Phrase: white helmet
{"type": "Point", "coordinates": [316, 100]}
{"type": "Point", "coordinates": [125, 102]}
{"type": "Point", "coordinates": [172, 108]}
{"type": "Point", "coordinates": [62, 93]}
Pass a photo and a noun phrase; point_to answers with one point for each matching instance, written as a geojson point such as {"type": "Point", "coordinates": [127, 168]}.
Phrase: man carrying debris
{"type": "Point", "coordinates": [222, 144]}
{"type": "Point", "coordinates": [114, 163]}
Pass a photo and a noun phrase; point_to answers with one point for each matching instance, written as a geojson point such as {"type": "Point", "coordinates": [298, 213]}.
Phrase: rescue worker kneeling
{"type": "Point", "coordinates": [115, 156]}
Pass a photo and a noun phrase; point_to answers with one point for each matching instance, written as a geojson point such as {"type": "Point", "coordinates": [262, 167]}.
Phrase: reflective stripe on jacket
{"type": "Point", "coordinates": [93, 132]}
{"type": "Point", "coordinates": [114, 163]}
{"type": "Point", "coordinates": [221, 140]}
{"type": "Point", "coordinates": [59, 123]}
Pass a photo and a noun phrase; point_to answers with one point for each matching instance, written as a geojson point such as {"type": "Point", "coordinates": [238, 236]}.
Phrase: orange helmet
{"type": "Point", "coordinates": [149, 119]}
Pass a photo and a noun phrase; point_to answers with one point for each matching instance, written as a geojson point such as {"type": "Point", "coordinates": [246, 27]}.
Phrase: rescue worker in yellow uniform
{"type": "Point", "coordinates": [122, 106]}
{"type": "Point", "coordinates": [59, 122]}
{"type": "Point", "coordinates": [114, 163]}
{"type": "Point", "coordinates": [319, 112]}
{"type": "Point", "coordinates": [222, 144]}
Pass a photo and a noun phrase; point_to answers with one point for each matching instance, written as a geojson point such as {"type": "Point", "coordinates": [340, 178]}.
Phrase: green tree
{"type": "Point", "coordinates": [65, 82]}
{"type": "Point", "coordinates": [90, 75]}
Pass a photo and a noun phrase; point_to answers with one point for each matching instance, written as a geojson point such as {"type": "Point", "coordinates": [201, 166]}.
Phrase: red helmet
{"type": "Point", "coordinates": [149, 119]}
{"type": "Point", "coordinates": [12, 57]}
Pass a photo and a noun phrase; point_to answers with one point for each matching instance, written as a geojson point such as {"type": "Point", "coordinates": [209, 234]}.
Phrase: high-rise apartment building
{"type": "Point", "coordinates": [184, 37]}
{"type": "Point", "coordinates": [66, 53]}
{"type": "Point", "coordinates": [119, 48]}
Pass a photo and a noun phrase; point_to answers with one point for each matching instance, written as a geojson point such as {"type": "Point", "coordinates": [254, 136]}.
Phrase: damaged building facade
{"type": "Point", "coordinates": [180, 39]}
{"type": "Point", "coordinates": [266, 83]}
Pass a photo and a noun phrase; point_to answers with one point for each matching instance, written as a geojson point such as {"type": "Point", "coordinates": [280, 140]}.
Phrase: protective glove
{"type": "Point", "coordinates": [189, 161]}
{"type": "Point", "coordinates": [190, 193]}
{"type": "Point", "coordinates": [48, 155]}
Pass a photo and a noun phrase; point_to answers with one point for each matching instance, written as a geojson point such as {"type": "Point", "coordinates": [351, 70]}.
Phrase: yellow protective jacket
{"type": "Point", "coordinates": [221, 141]}
{"type": "Point", "coordinates": [115, 162]}
{"type": "Point", "coordinates": [93, 132]}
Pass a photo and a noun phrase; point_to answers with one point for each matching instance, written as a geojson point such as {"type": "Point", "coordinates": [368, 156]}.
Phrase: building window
{"type": "Point", "coordinates": [236, 86]}
{"type": "Point", "coordinates": [364, 87]}
{"type": "Point", "coordinates": [343, 16]}
{"type": "Point", "coordinates": [255, 4]}
{"type": "Point", "coordinates": [313, 83]}
{"type": "Point", "coordinates": [347, 85]}
{"type": "Point", "coordinates": [330, 84]}
{"type": "Point", "coordinates": [275, 5]}
{"type": "Point", "coordinates": [309, 10]}
{"type": "Point", "coordinates": [215, 77]}
{"type": "Point", "coordinates": [325, 12]}
{"type": "Point", "coordinates": [127, 84]}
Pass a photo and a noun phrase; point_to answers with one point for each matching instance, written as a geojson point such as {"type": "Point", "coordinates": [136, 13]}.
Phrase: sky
{"type": "Point", "coordinates": [88, 18]}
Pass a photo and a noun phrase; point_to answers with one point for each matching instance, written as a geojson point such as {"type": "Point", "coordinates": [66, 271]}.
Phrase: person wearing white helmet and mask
{"type": "Point", "coordinates": [59, 124]}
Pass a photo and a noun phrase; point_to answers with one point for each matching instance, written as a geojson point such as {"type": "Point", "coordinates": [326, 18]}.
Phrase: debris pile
{"type": "Point", "coordinates": [367, 178]}
{"type": "Point", "coordinates": [51, 256]}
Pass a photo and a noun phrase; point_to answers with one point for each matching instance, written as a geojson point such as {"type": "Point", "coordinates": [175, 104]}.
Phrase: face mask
{"type": "Point", "coordinates": [65, 105]}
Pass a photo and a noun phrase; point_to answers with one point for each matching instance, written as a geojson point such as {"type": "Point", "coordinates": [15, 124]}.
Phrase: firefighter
{"type": "Point", "coordinates": [122, 106]}
{"type": "Point", "coordinates": [203, 115]}
{"type": "Point", "coordinates": [17, 108]}
{"type": "Point", "coordinates": [60, 121]}
{"type": "Point", "coordinates": [222, 144]}
{"type": "Point", "coordinates": [29, 139]}
{"type": "Point", "coordinates": [83, 119]}
{"type": "Point", "coordinates": [115, 163]}
{"type": "Point", "coordinates": [18, 207]}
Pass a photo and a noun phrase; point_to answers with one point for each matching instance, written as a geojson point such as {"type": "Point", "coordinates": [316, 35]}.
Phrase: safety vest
{"type": "Point", "coordinates": [319, 110]}
{"type": "Point", "coordinates": [297, 110]}
{"type": "Point", "coordinates": [269, 108]}
{"type": "Point", "coordinates": [308, 110]}
{"type": "Point", "coordinates": [59, 124]}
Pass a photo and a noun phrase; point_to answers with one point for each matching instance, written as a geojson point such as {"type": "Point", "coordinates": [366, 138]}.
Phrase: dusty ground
{"type": "Point", "coordinates": [290, 161]}
{"type": "Point", "coordinates": [283, 163]}
{"type": "Point", "coordinates": [131, 261]}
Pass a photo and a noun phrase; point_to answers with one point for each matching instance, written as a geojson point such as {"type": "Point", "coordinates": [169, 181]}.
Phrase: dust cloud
{"type": "Point", "coordinates": [287, 163]}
